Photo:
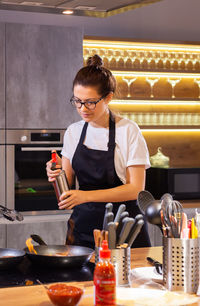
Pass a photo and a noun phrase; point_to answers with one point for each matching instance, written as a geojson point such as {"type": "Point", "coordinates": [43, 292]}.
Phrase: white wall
{"type": "Point", "coordinates": [174, 20]}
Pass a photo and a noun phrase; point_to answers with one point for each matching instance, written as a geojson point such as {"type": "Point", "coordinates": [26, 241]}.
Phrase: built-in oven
{"type": "Point", "coordinates": [27, 186]}
{"type": "Point", "coordinates": [2, 168]}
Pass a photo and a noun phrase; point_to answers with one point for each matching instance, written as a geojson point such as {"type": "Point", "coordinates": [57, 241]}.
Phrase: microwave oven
{"type": "Point", "coordinates": [181, 183]}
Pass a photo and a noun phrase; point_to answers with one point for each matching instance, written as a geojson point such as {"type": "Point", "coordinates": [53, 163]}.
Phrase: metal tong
{"type": "Point", "coordinates": [10, 214]}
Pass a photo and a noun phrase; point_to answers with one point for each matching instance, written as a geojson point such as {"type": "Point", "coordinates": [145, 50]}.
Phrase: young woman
{"type": "Point", "coordinates": [106, 154]}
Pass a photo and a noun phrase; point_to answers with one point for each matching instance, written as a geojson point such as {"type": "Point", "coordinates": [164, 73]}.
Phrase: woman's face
{"type": "Point", "coordinates": [87, 93]}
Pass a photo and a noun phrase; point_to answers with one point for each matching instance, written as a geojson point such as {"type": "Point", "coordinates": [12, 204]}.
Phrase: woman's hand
{"type": "Point", "coordinates": [52, 174]}
{"type": "Point", "coordinates": [72, 198]}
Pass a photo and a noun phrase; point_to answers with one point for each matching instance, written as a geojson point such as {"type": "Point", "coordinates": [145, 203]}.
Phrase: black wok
{"type": "Point", "coordinates": [46, 255]}
{"type": "Point", "coordinates": [10, 257]}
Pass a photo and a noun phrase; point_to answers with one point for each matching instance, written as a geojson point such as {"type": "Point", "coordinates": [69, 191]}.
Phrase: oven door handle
{"type": "Point", "coordinates": [41, 148]}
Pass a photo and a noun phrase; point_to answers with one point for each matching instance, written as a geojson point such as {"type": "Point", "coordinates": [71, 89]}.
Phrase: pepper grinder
{"type": "Point", "coordinates": [60, 184]}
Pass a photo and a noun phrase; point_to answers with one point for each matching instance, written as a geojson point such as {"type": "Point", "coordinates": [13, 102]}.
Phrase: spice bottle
{"type": "Point", "coordinates": [60, 184]}
{"type": "Point", "coordinates": [104, 278]}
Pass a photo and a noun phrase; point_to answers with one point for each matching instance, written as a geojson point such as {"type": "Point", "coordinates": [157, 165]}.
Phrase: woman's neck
{"type": "Point", "coordinates": [101, 122]}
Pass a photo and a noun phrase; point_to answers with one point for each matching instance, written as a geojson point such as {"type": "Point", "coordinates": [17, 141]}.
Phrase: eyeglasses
{"type": "Point", "coordinates": [90, 104]}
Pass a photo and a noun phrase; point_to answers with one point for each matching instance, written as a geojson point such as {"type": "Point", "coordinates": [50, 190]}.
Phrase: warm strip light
{"type": "Point", "coordinates": [67, 12]}
{"type": "Point", "coordinates": [138, 45]}
{"type": "Point", "coordinates": [157, 102]}
{"type": "Point", "coordinates": [171, 130]}
{"type": "Point", "coordinates": [157, 107]}
{"type": "Point", "coordinates": [132, 74]}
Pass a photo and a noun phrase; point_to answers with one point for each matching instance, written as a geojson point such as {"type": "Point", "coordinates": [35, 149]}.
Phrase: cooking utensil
{"type": "Point", "coordinates": [112, 235]}
{"type": "Point", "coordinates": [60, 184]}
{"type": "Point", "coordinates": [184, 230]}
{"type": "Point", "coordinates": [10, 257]}
{"type": "Point", "coordinates": [152, 208]}
{"type": "Point", "coordinates": [144, 199]}
{"type": "Point", "coordinates": [165, 218]}
{"type": "Point", "coordinates": [120, 224]}
{"type": "Point", "coordinates": [108, 218]}
{"type": "Point", "coordinates": [97, 237]}
{"type": "Point", "coordinates": [39, 282]}
{"type": "Point", "coordinates": [10, 214]}
{"type": "Point", "coordinates": [134, 232]}
{"type": "Point", "coordinates": [38, 239]}
{"type": "Point", "coordinates": [139, 217]}
{"type": "Point", "coordinates": [156, 264]}
{"type": "Point", "coordinates": [175, 211]}
{"type": "Point", "coordinates": [108, 208]}
{"type": "Point", "coordinates": [127, 224]}
{"type": "Point", "coordinates": [167, 197]}
{"type": "Point", "coordinates": [152, 213]}
{"type": "Point", "coordinates": [48, 255]}
{"type": "Point", "coordinates": [54, 159]}
{"type": "Point", "coordinates": [121, 209]}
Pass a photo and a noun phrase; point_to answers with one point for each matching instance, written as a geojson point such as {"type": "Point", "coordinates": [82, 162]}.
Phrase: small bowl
{"type": "Point", "coordinates": [64, 295]}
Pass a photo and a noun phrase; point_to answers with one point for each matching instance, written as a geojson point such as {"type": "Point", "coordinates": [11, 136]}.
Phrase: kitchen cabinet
{"type": "Point", "coordinates": [2, 235]}
{"type": "Point", "coordinates": [53, 232]}
{"type": "Point", "coordinates": [41, 62]}
{"type": "Point", "coordinates": [2, 75]}
{"type": "Point", "coordinates": [2, 170]}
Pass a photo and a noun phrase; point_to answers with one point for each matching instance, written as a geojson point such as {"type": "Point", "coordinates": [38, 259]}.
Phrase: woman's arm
{"type": "Point", "coordinates": [135, 182]}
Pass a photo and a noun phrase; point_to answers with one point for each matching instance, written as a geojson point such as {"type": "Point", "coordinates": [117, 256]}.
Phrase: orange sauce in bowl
{"type": "Point", "coordinates": [64, 295]}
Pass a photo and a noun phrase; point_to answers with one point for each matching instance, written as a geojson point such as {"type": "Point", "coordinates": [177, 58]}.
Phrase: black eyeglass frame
{"type": "Point", "coordinates": [73, 101]}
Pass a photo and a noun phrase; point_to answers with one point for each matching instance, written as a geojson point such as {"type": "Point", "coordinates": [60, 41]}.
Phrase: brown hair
{"type": "Point", "coordinates": [96, 75]}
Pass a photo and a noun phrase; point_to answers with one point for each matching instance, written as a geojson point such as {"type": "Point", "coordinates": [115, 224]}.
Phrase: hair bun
{"type": "Point", "coordinates": [95, 60]}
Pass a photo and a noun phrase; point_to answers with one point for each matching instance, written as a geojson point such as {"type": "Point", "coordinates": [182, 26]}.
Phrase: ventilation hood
{"type": "Point", "coordinates": [92, 8]}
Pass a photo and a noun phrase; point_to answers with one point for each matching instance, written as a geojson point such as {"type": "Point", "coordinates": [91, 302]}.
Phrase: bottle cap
{"type": "Point", "coordinates": [104, 251]}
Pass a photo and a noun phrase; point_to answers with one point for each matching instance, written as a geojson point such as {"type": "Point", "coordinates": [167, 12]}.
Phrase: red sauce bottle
{"type": "Point", "coordinates": [104, 278]}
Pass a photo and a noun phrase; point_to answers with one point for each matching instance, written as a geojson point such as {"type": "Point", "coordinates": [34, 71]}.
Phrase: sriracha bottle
{"type": "Point", "coordinates": [104, 278]}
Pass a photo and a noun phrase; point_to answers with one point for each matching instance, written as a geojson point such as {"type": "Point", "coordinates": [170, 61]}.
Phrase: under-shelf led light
{"type": "Point", "coordinates": [139, 45]}
{"type": "Point", "coordinates": [155, 74]}
{"type": "Point", "coordinates": [155, 106]}
{"type": "Point", "coordinates": [156, 103]}
{"type": "Point", "coordinates": [170, 130]}
{"type": "Point", "coordinates": [67, 12]}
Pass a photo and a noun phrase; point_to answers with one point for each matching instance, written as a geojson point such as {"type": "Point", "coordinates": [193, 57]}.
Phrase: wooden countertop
{"type": "Point", "coordinates": [36, 295]}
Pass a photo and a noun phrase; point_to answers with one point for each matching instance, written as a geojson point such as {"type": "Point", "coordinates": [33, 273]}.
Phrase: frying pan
{"type": "Point", "coordinates": [14, 257]}
{"type": "Point", "coordinates": [46, 255]}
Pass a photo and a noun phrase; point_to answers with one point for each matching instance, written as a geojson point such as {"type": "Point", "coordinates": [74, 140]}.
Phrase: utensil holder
{"type": "Point", "coordinates": [181, 264]}
{"type": "Point", "coordinates": [121, 259]}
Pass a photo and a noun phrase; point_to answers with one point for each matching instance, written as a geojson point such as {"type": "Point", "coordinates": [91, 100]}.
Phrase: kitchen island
{"type": "Point", "coordinates": [36, 295]}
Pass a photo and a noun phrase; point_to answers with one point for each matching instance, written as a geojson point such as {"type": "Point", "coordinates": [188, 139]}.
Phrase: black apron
{"type": "Point", "coordinates": [94, 170]}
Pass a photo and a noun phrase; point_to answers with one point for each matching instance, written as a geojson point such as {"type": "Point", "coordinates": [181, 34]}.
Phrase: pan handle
{"type": "Point", "coordinates": [38, 239]}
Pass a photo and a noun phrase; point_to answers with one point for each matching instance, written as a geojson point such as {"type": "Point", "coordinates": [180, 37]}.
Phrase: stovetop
{"type": "Point", "coordinates": [27, 273]}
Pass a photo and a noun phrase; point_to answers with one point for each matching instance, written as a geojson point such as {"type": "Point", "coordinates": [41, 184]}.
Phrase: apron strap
{"type": "Point", "coordinates": [111, 150]}
{"type": "Point", "coordinates": [83, 133]}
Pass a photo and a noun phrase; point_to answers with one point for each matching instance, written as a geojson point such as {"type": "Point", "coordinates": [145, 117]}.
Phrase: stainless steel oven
{"type": "Point", "coordinates": [2, 168]}
{"type": "Point", "coordinates": [27, 152]}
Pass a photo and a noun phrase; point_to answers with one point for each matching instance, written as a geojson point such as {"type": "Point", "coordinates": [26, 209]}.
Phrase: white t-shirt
{"type": "Point", "coordinates": [130, 149]}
